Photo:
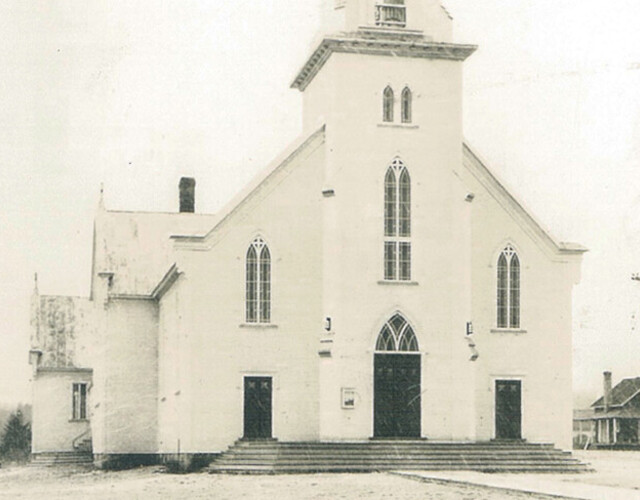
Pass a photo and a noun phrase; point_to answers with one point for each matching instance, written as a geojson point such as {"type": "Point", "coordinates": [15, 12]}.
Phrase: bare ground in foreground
{"type": "Point", "coordinates": [148, 483]}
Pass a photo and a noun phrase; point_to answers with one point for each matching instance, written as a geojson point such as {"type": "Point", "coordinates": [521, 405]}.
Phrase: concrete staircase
{"type": "Point", "coordinates": [56, 458]}
{"type": "Point", "coordinates": [273, 457]}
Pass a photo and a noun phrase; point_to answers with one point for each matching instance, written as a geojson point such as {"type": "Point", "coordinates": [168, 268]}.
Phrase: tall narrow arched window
{"type": "Point", "coordinates": [508, 289]}
{"type": "Point", "coordinates": [258, 283]}
{"type": "Point", "coordinates": [406, 105]}
{"type": "Point", "coordinates": [397, 222]}
{"type": "Point", "coordinates": [387, 105]}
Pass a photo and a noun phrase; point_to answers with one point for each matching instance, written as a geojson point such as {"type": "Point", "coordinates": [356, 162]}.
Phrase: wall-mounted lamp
{"type": "Point", "coordinates": [469, 197]}
{"type": "Point", "coordinates": [327, 324]}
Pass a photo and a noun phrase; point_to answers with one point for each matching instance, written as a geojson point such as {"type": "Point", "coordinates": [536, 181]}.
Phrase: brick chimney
{"type": "Point", "coordinates": [187, 194]}
{"type": "Point", "coordinates": [607, 390]}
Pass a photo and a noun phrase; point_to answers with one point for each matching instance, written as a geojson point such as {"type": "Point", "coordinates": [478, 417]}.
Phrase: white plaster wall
{"type": "Point", "coordinates": [213, 347]}
{"type": "Point", "coordinates": [170, 362]}
{"type": "Point", "coordinates": [53, 427]}
{"type": "Point", "coordinates": [541, 354]}
{"type": "Point", "coordinates": [437, 304]}
{"type": "Point", "coordinates": [130, 371]}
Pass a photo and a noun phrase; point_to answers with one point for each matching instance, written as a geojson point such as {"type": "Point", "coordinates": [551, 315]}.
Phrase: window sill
{"type": "Point", "coordinates": [398, 282]}
{"type": "Point", "coordinates": [508, 330]}
{"type": "Point", "coordinates": [398, 125]}
{"type": "Point", "coordinates": [258, 326]}
{"type": "Point", "coordinates": [78, 420]}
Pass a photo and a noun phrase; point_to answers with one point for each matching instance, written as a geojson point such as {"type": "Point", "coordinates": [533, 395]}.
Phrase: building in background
{"type": "Point", "coordinates": [583, 429]}
{"type": "Point", "coordinates": [616, 415]}
{"type": "Point", "coordinates": [375, 281]}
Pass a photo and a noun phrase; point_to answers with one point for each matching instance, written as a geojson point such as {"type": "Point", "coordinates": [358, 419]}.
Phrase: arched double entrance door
{"type": "Point", "coordinates": [396, 381]}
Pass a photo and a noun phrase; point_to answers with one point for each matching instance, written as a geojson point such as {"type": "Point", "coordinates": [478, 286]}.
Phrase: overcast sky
{"type": "Point", "coordinates": [136, 94]}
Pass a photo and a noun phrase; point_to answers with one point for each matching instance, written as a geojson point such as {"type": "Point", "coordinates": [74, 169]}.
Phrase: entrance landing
{"type": "Point", "coordinates": [273, 457]}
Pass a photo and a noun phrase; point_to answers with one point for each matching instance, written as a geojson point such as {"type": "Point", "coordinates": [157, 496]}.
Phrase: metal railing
{"type": "Point", "coordinates": [391, 15]}
{"type": "Point", "coordinates": [77, 441]}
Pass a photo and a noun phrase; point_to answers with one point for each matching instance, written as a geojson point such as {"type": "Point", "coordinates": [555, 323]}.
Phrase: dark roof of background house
{"type": "Point", "coordinates": [621, 392]}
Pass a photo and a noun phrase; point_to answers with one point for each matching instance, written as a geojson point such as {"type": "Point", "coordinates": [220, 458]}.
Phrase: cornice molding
{"type": "Point", "coordinates": [63, 369]}
{"type": "Point", "coordinates": [358, 44]}
{"type": "Point", "coordinates": [170, 277]}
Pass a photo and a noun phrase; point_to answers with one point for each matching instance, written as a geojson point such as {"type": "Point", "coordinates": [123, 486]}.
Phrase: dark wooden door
{"type": "Point", "coordinates": [508, 409]}
{"type": "Point", "coordinates": [257, 407]}
{"type": "Point", "coordinates": [396, 400]}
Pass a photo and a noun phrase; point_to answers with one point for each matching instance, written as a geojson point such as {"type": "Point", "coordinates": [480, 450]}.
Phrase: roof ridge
{"type": "Point", "coordinates": [283, 159]}
{"type": "Point", "coordinates": [518, 206]}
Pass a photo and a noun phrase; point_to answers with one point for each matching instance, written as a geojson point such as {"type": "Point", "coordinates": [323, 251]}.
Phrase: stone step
{"type": "Point", "coordinates": [393, 460]}
{"type": "Point", "coordinates": [395, 463]}
{"type": "Point", "coordinates": [385, 445]}
{"type": "Point", "coordinates": [257, 469]}
{"type": "Point", "coordinates": [47, 459]}
{"type": "Point", "coordinates": [61, 462]}
{"type": "Point", "coordinates": [398, 448]}
{"type": "Point", "coordinates": [274, 457]}
{"type": "Point", "coordinates": [399, 452]}
{"type": "Point", "coordinates": [406, 456]}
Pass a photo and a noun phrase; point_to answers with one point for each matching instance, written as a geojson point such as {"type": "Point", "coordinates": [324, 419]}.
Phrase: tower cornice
{"type": "Point", "coordinates": [360, 43]}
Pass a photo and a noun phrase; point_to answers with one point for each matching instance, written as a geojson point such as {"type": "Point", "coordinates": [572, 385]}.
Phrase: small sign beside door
{"type": "Point", "coordinates": [348, 398]}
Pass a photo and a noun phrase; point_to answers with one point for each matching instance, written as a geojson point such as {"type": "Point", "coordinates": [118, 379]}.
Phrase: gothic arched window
{"type": "Point", "coordinates": [406, 105]}
{"type": "Point", "coordinates": [397, 222]}
{"type": "Point", "coordinates": [387, 105]}
{"type": "Point", "coordinates": [397, 335]}
{"type": "Point", "coordinates": [258, 283]}
{"type": "Point", "coordinates": [508, 289]}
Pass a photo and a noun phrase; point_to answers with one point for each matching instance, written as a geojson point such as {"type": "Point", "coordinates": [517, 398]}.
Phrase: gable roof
{"type": "Point", "coordinates": [136, 246]}
{"type": "Point", "coordinates": [299, 147]}
{"type": "Point", "coordinates": [622, 393]}
{"type": "Point", "coordinates": [477, 167]}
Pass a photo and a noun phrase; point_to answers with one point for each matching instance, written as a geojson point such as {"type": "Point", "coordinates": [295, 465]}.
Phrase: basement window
{"type": "Point", "coordinates": [79, 401]}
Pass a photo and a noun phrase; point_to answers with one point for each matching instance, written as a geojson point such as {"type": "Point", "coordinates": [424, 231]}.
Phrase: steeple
{"type": "Point", "coordinates": [419, 29]}
{"type": "Point", "coordinates": [419, 17]}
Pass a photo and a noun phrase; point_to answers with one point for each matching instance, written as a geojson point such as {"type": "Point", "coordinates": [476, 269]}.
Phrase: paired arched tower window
{"type": "Point", "coordinates": [406, 105]}
{"type": "Point", "coordinates": [397, 222]}
{"type": "Point", "coordinates": [387, 105]}
{"type": "Point", "coordinates": [258, 282]}
{"type": "Point", "coordinates": [388, 101]}
{"type": "Point", "coordinates": [397, 335]}
{"type": "Point", "coordinates": [508, 289]}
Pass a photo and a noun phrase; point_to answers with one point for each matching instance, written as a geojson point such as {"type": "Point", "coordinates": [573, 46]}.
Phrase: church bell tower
{"type": "Point", "coordinates": [385, 82]}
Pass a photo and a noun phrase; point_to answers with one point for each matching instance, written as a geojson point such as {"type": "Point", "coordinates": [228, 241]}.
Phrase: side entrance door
{"type": "Point", "coordinates": [257, 407]}
{"type": "Point", "coordinates": [508, 409]}
{"type": "Point", "coordinates": [396, 400]}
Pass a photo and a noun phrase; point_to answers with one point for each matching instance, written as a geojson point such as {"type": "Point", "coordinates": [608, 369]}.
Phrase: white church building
{"type": "Point", "coordinates": [375, 281]}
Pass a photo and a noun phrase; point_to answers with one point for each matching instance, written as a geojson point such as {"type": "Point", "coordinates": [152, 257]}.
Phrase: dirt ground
{"type": "Point", "coordinates": [613, 468]}
{"type": "Point", "coordinates": [149, 483]}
